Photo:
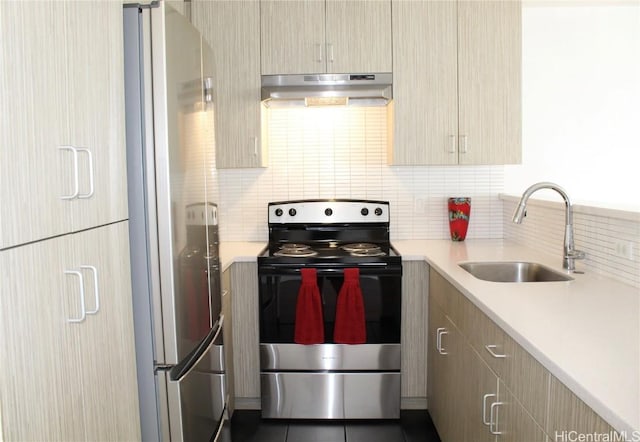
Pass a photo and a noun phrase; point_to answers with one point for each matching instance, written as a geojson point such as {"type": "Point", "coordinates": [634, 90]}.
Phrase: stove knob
{"type": "Point", "coordinates": [378, 211]}
{"type": "Point", "coordinates": [364, 211]}
{"type": "Point", "coordinates": [278, 212]}
{"type": "Point", "coordinates": [328, 212]}
{"type": "Point", "coordinates": [292, 212]}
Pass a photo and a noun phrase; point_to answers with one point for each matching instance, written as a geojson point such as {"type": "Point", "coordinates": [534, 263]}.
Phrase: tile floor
{"type": "Point", "coordinates": [413, 426]}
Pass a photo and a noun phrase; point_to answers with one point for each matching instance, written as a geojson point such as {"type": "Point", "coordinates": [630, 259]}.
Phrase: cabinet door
{"type": "Point", "coordinates": [292, 37]}
{"type": "Point", "coordinates": [358, 36]}
{"type": "Point", "coordinates": [514, 423]}
{"type": "Point", "coordinates": [71, 54]}
{"type": "Point", "coordinates": [110, 388]}
{"type": "Point", "coordinates": [232, 29]}
{"type": "Point", "coordinates": [415, 286]}
{"type": "Point", "coordinates": [435, 373]}
{"type": "Point", "coordinates": [489, 82]}
{"type": "Point", "coordinates": [424, 83]}
{"type": "Point", "coordinates": [480, 390]}
{"type": "Point", "coordinates": [227, 330]}
{"type": "Point", "coordinates": [41, 376]}
{"type": "Point", "coordinates": [445, 377]}
{"type": "Point", "coordinates": [568, 413]}
{"type": "Point", "coordinates": [246, 363]}
{"type": "Point", "coordinates": [96, 110]}
{"type": "Point", "coordinates": [34, 173]}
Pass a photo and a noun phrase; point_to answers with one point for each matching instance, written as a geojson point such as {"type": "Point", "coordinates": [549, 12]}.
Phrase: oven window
{"type": "Point", "coordinates": [381, 296]}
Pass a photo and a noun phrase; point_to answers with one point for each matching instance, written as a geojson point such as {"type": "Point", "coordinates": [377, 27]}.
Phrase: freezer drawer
{"type": "Point", "coordinates": [330, 395]}
{"type": "Point", "coordinates": [202, 397]}
{"type": "Point", "coordinates": [195, 393]}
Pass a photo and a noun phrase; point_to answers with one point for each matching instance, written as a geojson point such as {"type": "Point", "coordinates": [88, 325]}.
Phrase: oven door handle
{"type": "Point", "coordinates": [378, 269]}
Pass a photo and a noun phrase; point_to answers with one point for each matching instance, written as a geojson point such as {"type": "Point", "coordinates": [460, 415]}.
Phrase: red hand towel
{"type": "Point", "coordinates": [350, 324]}
{"type": "Point", "coordinates": [309, 328]}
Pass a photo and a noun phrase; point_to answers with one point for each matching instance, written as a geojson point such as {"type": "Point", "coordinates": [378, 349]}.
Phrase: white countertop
{"type": "Point", "coordinates": [237, 251]}
{"type": "Point", "coordinates": [586, 332]}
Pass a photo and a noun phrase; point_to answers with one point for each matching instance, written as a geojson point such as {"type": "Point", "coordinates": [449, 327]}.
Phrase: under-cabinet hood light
{"type": "Point", "coordinates": [326, 90]}
{"type": "Point", "coordinates": [326, 101]}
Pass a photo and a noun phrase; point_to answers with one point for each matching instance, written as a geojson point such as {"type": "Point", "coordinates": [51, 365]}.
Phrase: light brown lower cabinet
{"type": "Point", "coordinates": [483, 386]}
{"type": "Point", "coordinates": [227, 330]}
{"type": "Point", "coordinates": [515, 424]}
{"type": "Point", "coordinates": [415, 282]}
{"type": "Point", "coordinates": [444, 362]}
{"type": "Point", "coordinates": [246, 358]}
{"type": "Point", "coordinates": [67, 359]}
{"type": "Point", "coordinates": [568, 413]}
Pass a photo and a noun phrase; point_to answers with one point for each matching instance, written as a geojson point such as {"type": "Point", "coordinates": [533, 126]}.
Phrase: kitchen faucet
{"type": "Point", "coordinates": [570, 254]}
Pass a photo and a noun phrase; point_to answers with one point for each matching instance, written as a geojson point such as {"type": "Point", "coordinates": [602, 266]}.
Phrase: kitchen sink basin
{"type": "Point", "coordinates": [513, 272]}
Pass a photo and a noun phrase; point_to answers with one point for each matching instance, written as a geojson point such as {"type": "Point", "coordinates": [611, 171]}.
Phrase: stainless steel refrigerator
{"type": "Point", "coordinates": [173, 227]}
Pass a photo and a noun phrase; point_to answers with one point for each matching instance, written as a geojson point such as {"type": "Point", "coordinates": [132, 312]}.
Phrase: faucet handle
{"type": "Point", "coordinates": [575, 254]}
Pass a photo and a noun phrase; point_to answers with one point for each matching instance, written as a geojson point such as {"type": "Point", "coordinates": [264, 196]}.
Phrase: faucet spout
{"type": "Point", "coordinates": [570, 254]}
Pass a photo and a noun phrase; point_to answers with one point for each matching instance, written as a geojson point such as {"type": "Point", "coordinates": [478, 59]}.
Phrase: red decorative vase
{"type": "Point", "coordinates": [459, 212]}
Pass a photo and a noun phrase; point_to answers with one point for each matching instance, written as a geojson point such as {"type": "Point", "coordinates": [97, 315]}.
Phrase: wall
{"type": "Point", "coordinates": [341, 153]}
{"type": "Point", "coordinates": [581, 111]}
{"type": "Point", "coordinates": [581, 101]}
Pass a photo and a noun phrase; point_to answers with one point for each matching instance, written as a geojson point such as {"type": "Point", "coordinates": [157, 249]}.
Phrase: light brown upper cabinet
{"type": "Point", "coordinates": [456, 82]}
{"type": "Point", "coordinates": [62, 147]}
{"type": "Point", "coordinates": [314, 36]}
{"type": "Point", "coordinates": [231, 28]}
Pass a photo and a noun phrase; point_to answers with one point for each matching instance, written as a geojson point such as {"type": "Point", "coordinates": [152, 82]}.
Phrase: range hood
{"type": "Point", "coordinates": [327, 90]}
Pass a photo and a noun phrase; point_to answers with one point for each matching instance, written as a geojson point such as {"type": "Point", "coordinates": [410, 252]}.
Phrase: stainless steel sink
{"type": "Point", "coordinates": [513, 272]}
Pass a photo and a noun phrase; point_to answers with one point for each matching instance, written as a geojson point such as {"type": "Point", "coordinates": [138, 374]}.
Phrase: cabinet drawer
{"type": "Point", "coordinates": [336, 395]}
{"type": "Point", "coordinates": [447, 297]}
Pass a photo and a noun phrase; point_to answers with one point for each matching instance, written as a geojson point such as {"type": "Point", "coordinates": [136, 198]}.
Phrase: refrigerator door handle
{"type": "Point", "coordinates": [179, 371]}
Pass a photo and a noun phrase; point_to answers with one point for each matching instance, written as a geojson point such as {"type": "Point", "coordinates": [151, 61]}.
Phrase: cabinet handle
{"type": "Point", "coordinates": [484, 408]}
{"type": "Point", "coordinates": [76, 186]}
{"type": "Point", "coordinates": [82, 305]}
{"type": "Point", "coordinates": [463, 148]}
{"type": "Point", "coordinates": [255, 146]}
{"type": "Point", "coordinates": [490, 349]}
{"type": "Point", "coordinates": [452, 146]}
{"type": "Point", "coordinates": [493, 427]}
{"type": "Point", "coordinates": [318, 53]}
{"type": "Point", "coordinates": [440, 332]}
{"type": "Point", "coordinates": [91, 180]}
{"type": "Point", "coordinates": [96, 289]}
{"type": "Point", "coordinates": [225, 293]}
{"type": "Point", "coordinates": [330, 52]}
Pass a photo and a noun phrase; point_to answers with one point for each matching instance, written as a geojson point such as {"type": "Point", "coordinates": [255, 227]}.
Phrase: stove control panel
{"type": "Point", "coordinates": [329, 211]}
